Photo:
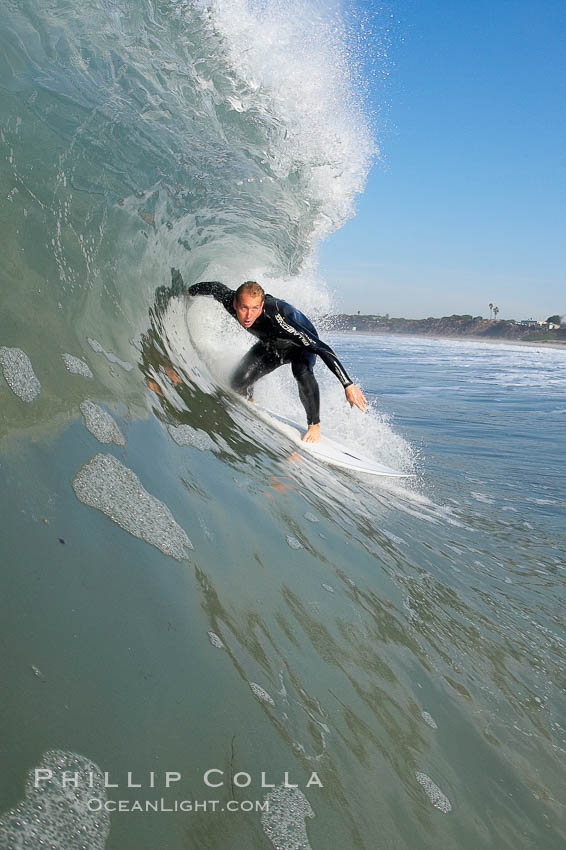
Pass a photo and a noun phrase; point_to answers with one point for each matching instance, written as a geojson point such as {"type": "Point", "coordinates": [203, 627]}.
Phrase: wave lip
{"type": "Point", "coordinates": [297, 67]}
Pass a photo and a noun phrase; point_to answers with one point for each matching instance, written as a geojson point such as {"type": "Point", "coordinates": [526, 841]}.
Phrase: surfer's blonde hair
{"type": "Point", "coordinates": [250, 287]}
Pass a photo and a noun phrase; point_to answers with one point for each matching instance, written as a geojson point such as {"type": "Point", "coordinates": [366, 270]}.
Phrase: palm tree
{"type": "Point", "coordinates": [490, 311]}
{"type": "Point", "coordinates": [495, 312]}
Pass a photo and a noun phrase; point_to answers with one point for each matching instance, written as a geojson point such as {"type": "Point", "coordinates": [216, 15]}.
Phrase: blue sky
{"type": "Point", "coordinates": [468, 204]}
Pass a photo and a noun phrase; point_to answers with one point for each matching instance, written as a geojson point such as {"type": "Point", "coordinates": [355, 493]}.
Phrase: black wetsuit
{"type": "Point", "coordinates": [285, 336]}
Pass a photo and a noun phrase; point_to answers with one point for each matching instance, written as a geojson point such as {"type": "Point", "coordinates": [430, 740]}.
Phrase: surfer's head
{"type": "Point", "coordinates": [248, 303]}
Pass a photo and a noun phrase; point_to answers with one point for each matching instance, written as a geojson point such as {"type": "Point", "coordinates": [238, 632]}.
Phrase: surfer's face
{"type": "Point", "coordinates": [248, 308]}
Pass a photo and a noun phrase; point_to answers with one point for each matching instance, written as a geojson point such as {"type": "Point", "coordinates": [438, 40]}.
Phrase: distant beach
{"type": "Point", "coordinates": [556, 344]}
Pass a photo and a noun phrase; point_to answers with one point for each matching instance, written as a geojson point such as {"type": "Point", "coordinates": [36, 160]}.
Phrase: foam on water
{"type": "Point", "coordinates": [261, 693]}
{"type": "Point", "coordinates": [100, 424]}
{"type": "Point", "coordinates": [284, 823]}
{"type": "Point", "coordinates": [76, 366]}
{"type": "Point", "coordinates": [104, 483]}
{"type": "Point", "coordinates": [429, 720]}
{"type": "Point", "coordinates": [186, 435]}
{"type": "Point", "coordinates": [19, 374]}
{"type": "Point", "coordinates": [435, 795]}
{"type": "Point", "coordinates": [55, 815]}
{"type": "Point", "coordinates": [215, 640]}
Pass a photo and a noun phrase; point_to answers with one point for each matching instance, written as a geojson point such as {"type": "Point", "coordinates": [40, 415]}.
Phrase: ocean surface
{"type": "Point", "coordinates": [208, 639]}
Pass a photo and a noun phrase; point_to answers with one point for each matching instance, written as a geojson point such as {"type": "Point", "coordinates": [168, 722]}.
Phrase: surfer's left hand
{"type": "Point", "coordinates": [354, 396]}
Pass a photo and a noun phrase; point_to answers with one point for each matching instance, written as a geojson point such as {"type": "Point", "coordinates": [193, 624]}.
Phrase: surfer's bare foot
{"type": "Point", "coordinates": [312, 435]}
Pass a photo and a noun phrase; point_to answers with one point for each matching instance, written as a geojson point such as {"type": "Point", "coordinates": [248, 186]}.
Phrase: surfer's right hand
{"type": "Point", "coordinates": [355, 396]}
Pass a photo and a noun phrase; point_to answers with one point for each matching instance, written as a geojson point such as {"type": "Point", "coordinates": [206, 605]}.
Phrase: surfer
{"type": "Point", "coordinates": [285, 335]}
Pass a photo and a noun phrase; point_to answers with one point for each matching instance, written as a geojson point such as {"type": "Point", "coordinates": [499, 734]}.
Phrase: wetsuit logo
{"type": "Point", "coordinates": [291, 330]}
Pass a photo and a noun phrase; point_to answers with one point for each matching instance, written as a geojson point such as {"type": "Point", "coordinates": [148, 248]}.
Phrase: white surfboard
{"type": "Point", "coordinates": [327, 450]}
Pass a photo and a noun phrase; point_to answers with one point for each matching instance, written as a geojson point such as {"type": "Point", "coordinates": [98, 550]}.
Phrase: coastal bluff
{"type": "Point", "coordinates": [450, 326]}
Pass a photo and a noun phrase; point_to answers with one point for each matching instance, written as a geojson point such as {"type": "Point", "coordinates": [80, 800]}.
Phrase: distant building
{"type": "Point", "coordinates": [539, 323]}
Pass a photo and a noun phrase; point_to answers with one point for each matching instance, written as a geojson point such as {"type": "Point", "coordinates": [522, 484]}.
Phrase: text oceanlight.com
{"type": "Point", "coordinates": [97, 805]}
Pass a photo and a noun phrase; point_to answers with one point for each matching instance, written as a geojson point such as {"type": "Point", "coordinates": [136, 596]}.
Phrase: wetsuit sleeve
{"type": "Point", "coordinates": [218, 290]}
{"type": "Point", "coordinates": [289, 322]}
{"type": "Point", "coordinates": [179, 288]}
